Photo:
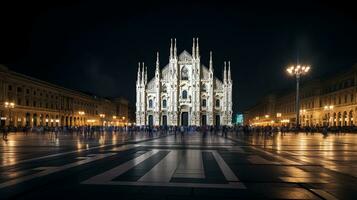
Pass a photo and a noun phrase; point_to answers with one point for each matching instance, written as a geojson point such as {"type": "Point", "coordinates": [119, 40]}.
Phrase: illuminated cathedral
{"type": "Point", "coordinates": [184, 92]}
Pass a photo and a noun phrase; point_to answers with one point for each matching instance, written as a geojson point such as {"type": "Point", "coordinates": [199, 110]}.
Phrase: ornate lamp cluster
{"type": "Point", "coordinates": [298, 69]}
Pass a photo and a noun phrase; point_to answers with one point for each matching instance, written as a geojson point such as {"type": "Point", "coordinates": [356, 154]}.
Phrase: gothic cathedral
{"type": "Point", "coordinates": [184, 92]}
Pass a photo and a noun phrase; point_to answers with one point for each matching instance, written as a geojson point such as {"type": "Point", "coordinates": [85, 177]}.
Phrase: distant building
{"type": "Point", "coordinates": [329, 101]}
{"type": "Point", "coordinates": [39, 103]}
{"type": "Point", "coordinates": [184, 92]}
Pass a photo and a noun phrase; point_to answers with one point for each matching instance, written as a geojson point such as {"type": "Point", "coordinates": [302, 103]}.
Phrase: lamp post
{"type": "Point", "coordinates": [298, 71]}
{"type": "Point", "coordinates": [9, 106]}
{"type": "Point", "coordinates": [124, 121]}
{"type": "Point", "coordinates": [114, 119]}
{"type": "Point", "coordinates": [81, 113]}
{"type": "Point", "coordinates": [328, 108]}
{"type": "Point", "coordinates": [102, 117]}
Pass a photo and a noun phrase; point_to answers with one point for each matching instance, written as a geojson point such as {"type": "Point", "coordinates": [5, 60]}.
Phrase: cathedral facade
{"type": "Point", "coordinates": [184, 92]}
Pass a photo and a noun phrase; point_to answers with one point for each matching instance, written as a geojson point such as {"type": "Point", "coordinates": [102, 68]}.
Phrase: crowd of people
{"type": "Point", "coordinates": [305, 129]}
{"type": "Point", "coordinates": [150, 130]}
{"type": "Point", "coordinates": [182, 130]}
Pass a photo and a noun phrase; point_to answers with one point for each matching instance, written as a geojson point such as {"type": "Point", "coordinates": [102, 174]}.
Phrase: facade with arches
{"type": "Point", "coordinates": [39, 103]}
{"type": "Point", "coordinates": [330, 101]}
{"type": "Point", "coordinates": [184, 92]}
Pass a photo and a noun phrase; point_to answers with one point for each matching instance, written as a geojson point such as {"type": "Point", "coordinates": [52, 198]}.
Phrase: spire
{"type": "Point", "coordinates": [175, 50]}
{"type": "Point", "coordinates": [142, 73]}
{"type": "Point", "coordinates": [225, 72]}
{"type": "Point", "coordinates": [138, 79]}
{"type": "Point", "coordinates": [210, 62]}
{"type": "Point", "coordinates": [229, 71]}
{"type": "Point", "coordinates": [157, 71]}
{"type": "Point", "coordinates": [157, 61]}
{"type": "Point", "coordinates": [193, 49]}
{"type": "Point", "coordinates": [197, 49]}
{"type": "Point", "coordinates": [171, 50]}
{"type": "Point", "coordinates": [146, 74]}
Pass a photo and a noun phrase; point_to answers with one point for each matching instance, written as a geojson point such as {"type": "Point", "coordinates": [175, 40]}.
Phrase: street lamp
{"type": "Point", "coordinates": [102, 117]}
{"type": "Point", "coordinates": [328, 108]}
{"type": "Point", "coordinates": [9, 106]}
{"type": "Point", "coordinates": [81, 113]}
{"type": "Point", "coordinates": [298, 71]}
{"type": "Point", "coordinates": [124, 121]}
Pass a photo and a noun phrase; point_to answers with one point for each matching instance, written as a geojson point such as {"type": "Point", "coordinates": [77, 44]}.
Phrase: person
{"type": "Point", "coordinates": [324, 130]}
{"type": "Point", "coordinates": [204, 131]}
{"type": "Point", "coordinates": [182, 130]}
{"type": "Point", "coordinates": [224, 131]}
{"type": "Point", "coordinates": [150, 131]}
{"type": "Point", "coordinates": [5, 132]}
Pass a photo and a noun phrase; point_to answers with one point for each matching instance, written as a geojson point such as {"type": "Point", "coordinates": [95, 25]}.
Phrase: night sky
{"type": "Point", "coordinates": [95, 46]}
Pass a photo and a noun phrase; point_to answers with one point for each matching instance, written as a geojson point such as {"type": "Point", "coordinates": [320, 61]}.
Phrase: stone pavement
{"type": "Point", "coordinates": [193, 166]}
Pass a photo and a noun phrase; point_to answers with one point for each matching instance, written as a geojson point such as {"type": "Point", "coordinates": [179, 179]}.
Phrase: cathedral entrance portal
{"type": "Point", "coordinates": [164, 120]}
{"type": "Point", "coordinates": [151, 120]}
{"type": "Point", "coordinates": [218, 120]}
{"type": "Point", "coordinates": [184, 119]}
{"type": "Point", "coordinates": [204, 120]}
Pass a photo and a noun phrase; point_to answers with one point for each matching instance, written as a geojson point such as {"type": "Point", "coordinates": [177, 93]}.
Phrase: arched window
{"type": "Point", "coordinates": [164, 103]}
{"type": "Point", "coordinates": [184, 73]}
{"type": "Point", "coordinates": [204, 103]}
{"type": "Point", "coordinates": [217, 103]}
{"type": "Point", "coordinates": [150, 103]}
{"type": "Point", "coordinates": [184, 94]}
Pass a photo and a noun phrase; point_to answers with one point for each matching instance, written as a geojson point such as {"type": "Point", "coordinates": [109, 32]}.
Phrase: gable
{"type": "Point", "coordinates": [185, 56]}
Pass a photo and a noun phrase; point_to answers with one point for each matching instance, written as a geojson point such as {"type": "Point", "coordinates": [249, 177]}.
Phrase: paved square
{"type": "Point", "coordinates": [135, 166]}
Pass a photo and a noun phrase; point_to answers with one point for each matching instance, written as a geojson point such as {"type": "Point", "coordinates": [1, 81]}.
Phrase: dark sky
{"type": "Point", "coordinates": [95, 45]}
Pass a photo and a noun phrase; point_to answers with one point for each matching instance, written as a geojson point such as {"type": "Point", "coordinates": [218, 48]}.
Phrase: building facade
{"type": "Point", "coordinates": [330, 101]}
{"type": "Point", "coordinates": [184, 92]}
{"type": "Point", "coordinates": [26, 101]}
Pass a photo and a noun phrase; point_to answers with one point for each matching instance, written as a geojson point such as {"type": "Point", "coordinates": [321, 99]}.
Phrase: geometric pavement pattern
{"type": "Point", "coordinates": [194, 166]}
